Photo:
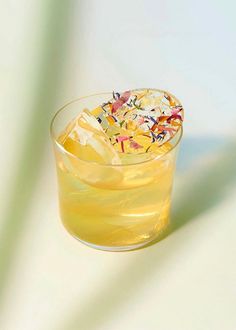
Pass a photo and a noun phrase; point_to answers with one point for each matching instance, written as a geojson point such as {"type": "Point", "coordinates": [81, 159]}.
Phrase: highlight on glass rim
{"type": "Point", "coordinates": [115, 157]}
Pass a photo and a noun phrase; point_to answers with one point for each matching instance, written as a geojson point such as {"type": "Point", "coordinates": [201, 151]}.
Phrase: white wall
{"type": "Point", "coordinates": [186, 47]}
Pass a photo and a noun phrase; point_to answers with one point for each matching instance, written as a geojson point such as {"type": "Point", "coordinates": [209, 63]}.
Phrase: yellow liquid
{"type": "Point", "coordinates": [117, 207]}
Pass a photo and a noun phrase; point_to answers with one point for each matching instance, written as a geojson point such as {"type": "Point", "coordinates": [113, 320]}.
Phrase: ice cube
{"type": "Point", "coordinates": [85, 138]}
{"type": "Point", "coordinates": [140, 121]}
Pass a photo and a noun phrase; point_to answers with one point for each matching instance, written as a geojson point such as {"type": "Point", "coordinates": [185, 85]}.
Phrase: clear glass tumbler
{"type": "Point", "coordinates": [112, 207]}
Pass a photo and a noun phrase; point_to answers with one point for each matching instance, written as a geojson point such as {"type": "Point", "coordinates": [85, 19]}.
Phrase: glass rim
{"type": "Point", "coordinates": [61, 147]}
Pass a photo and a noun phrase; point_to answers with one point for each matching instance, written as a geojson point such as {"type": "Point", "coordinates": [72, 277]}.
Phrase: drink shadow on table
{"type": "Point", "coordinates": [206, 170]}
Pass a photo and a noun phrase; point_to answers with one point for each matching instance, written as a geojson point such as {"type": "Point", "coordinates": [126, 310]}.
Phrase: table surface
{"type": "Point", "coordinates": [186, 281]}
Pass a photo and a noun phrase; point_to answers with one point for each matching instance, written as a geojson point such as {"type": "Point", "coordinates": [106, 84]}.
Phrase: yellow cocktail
{"type": "Point", "coordinates": [115, 182]}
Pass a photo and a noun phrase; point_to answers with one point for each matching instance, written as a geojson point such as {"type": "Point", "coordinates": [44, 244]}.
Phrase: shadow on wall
{"type": "Point", "coordinates": [201, 189]}
{"type": "Point", "coordinates": [55, 26]}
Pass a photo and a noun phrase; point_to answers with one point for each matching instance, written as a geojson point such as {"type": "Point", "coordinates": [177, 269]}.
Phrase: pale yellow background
{"type": "Point", "coordinates": [53, 51]}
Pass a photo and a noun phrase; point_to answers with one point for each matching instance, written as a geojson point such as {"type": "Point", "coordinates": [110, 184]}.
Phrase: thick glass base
{"type": "Point", "coordinates": [124, 248]}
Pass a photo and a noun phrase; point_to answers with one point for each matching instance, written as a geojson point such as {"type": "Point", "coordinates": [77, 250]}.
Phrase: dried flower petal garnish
{"type": "Point", "coordinates": [136, 120]}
